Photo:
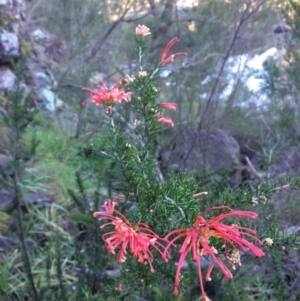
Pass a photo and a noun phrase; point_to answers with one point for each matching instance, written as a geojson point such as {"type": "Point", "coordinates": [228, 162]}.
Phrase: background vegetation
{"type": "Point", "coordinates": [50, 245]}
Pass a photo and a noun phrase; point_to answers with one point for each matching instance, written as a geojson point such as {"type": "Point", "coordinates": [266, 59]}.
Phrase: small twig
{"type": "Point", "coordinates": [5, 183]}
{"type": "Point", "coordinates": [80, 119]}
{"type": "Point", "coordinates": [139, 18]}
{"type": "Point", "coordinates": [160, 177]}
{"type": "Point", "coordinates": [139, 163]}
{"type": "Point", "coordinates": [253, 170]}
{"type": "Point", "coordinates": [20, 226]}
{"type": "Point", "coordinates": [200, 194]}
{"type": "Point", "coordinates": [15, 124]}
{"type": "Point", "coordinates": [284, 187]}
{"type": "Point", "coordinates": [78, 16]}
{"type": "Point", "coordinates": [174, 203]}
{"type": "Point", "coordinates": [94, 131]}
{"type": "Point", "coordinates": [111, 28]}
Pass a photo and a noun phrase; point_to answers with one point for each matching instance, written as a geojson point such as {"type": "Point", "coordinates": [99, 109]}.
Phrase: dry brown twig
{"type": "Point", "coordinates": [283, 188]}
{"type": "Point", "coordinates": [253, 170]}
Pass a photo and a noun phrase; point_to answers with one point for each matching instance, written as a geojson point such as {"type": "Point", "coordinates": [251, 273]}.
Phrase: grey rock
{"type": "Point", "coordinates": [50, 100]}
{"type": "Point", "coordinates": [47, 47]}
{"type": "Point", "coordinates": [7, 79]}
{"type": "Point", "coordinates": [44, 51]}
{"type": "Point", "coordinates": [282, 28]}
{"type": "Point", "coordinates": [41, 77]}
{"type": "Point", "coordinates": [213, 151]}
{"type": "Point", "coordinates": [9, 46]}
{"type": "Point", "coordinates": [293, 230]}
{"type": "Point", "coordinates": [44, 82]}
{"type": "Point", "coordinates": [4, 161]}
{"type": "Point", "coordinates": [8, 200]}
{"type": "Point", "coordinates": [12, 13]}
{"type": "Point", "coordinates": [38, 198]}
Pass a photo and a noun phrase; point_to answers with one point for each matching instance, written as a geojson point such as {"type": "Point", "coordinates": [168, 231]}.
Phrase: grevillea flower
{"type": "Point", "coordinates": [108, 97]}
{"type": "Point", "coordinates": [119, 287]}
{"type": "Point", "coordinates": [128, 79]}
{"type": "Point", "coordinates": [167, 120]}
{"type": "Point", "coordinates": [169, 105]}
{"type": "Point", "coordinates": [142, 31]}
{"type": "Point", "coordinates": [196, 242]}
{"type": "Point", "coordinates": [142, 74]}
{"type": "Point", "coordinates": [164, 59]}
{"type": "Point", "coordinates": [138, 238]}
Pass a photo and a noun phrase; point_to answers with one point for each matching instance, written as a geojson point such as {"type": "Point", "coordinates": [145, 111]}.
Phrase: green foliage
{"type": "Point", "coordinates": [58, 157]}
{"type": "Point", "coordinates": [5, 221]}
{"type": "Point", "coordinates": [68, 259]}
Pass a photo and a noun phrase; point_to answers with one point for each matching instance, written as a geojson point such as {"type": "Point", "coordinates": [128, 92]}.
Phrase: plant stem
{"type": "Point", "coordinates": [22, 237]}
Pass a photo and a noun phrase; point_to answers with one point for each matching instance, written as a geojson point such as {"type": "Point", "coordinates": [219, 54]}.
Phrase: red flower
{"type": "Point", "coordinates": [119, 287]}
{"type": "Point", "coordinates": [164, 59]}
{"type": "Point", "coordinates": [196, 242]}
{"type": "Point", "coordinates": [138, 238]}
{"type": "Point", "coordinates": [108, 97]}
{"type": "Point", "coordinates": [163, 119]}
{"type": "Point", "coordinates": [169, 105]}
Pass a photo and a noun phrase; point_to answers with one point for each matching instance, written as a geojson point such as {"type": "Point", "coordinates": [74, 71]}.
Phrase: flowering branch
{"type": "Point", "coordinates": [196, 242]}
{"type": "Point", "coordinates": [137, 160]}
{"type": "Point", "coordinates": [139, 238]}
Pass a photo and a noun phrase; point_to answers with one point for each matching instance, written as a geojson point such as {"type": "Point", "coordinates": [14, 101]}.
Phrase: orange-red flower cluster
{"type": "Point", "coordinates": [108, 97]}
{"type": "Point", "coordinates": [138, 238]}
{"type": "Point", "coordinates": [196, 242]}
{"type": "Point", "coordinates": [163, 119]}
{"type": "Point", "coordinates": [170, 106]}
{"type": "Point", "coordinates": [164, 59]}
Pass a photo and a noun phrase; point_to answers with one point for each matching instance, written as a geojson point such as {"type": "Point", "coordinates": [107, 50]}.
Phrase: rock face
{"type": "Point", "coordinates": [9, 46]}
{"type": "Point", "coordinates": [12, 12]}
{"type": "Point", "coordinates": [7, 79]}
{"type": "Point", "coordinates": [213, 151]}
{"type": "Point", "coordinates": [42, 50]}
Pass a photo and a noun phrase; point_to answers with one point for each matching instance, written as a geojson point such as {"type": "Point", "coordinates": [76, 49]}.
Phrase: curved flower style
{"type": "Point", "coordinates": [108, 97]}
{"type": "Point", "coordinates": [167, 120]}
{"type": "Point", "coordinates": [164, 59]}
{"type": "Point", "coordinates": [169, 105]}
{"type": "Point", "coordinates": [139, 237]}
{"type": "Point", "coordinates": [196, 241]}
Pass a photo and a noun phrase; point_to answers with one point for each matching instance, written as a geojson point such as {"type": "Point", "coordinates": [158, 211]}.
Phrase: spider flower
{"type": "Point", "coordinates": [105, 96]}
{"type": "Point", "coordinates": [167, 120]}
{"type": "Point", "coordinates": [164, 59]}
{"type": "Point", "coordinates": [138, 238]}
{"type": "Point", "coordinates": [196, 241]}
{"type": "Point", "coordinates": [169, 105]}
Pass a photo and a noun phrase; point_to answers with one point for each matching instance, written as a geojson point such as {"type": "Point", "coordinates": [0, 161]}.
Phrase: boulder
{"type": "Point", "coordinates": [44, 82]}
{"type": "Point", "coordinates": [213, 151]}
{"type": "Point", "coordinates": [7, 79]}
{"type": "Point", "coordinates": [47, 47]}
{"type": "Point", "coordinates": [9, 46]}
{"type": "Point", "coordinates": [5, 161]}
{"type": "Point", "coordinates": [42, 49]}
{"type": "Point", "coordinates": [12, 12]}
